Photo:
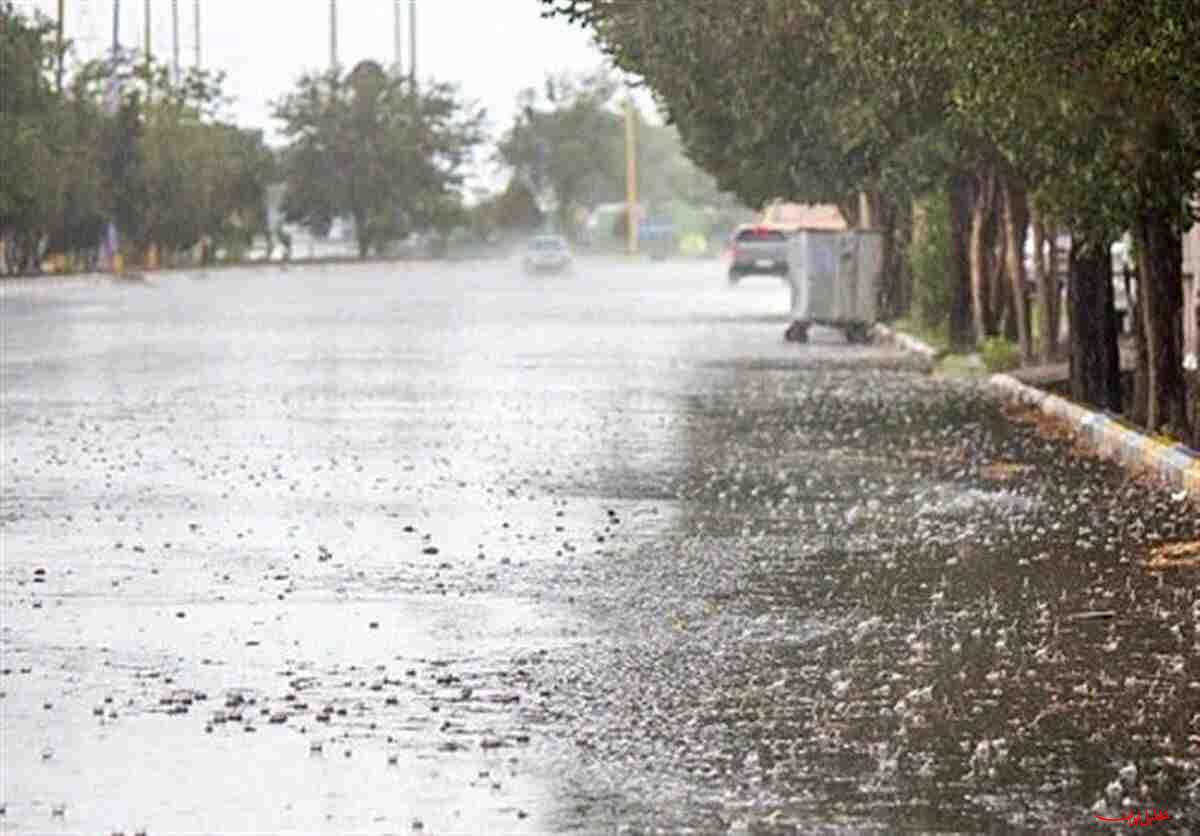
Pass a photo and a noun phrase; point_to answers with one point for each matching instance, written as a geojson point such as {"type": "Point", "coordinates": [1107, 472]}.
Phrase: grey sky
{"type": "Point", "coordinates": [491, 48]}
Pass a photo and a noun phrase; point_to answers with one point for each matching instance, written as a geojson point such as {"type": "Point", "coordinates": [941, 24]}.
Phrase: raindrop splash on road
{"type": "Point", "coordinates": [447, 548]}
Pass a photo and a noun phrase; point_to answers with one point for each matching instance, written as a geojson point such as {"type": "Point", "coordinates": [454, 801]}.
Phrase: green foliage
{"type": "Point", "coordinates": [806, 101]}
{"type": "Point", "coordinates": [930, 261]}
{"type": "Point", "coordinates": [1090, 107]}
{"type": "Point", "coordinates": [517, 209]}
{"type": "Point", "coordinates": [999, 354]}
{"type": "Point", "coordinates": [123, 142]}
{"type": "Point", "coordinates": [368, 146]}
{"type": "Point", "coordinates": [1096, 105]}
{"type": "Point", "coordinates": [27, 99]}
{"type": "Point", "coordinates": [665, 174]}
{"type": "Point", "coordinates": [511, 213]}
{"type": "Point", "coordinates": [567, 144]}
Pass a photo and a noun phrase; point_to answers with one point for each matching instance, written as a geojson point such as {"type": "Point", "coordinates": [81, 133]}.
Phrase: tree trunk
{"type": "Point", "coordinates": [1004, 321]}
{"type": "Point", "coordinates": [1058, 288]}
{"type": "Point", "coordinates": [900, 224]}
{"type": "Point", "coordinates": [850, 207]}
{"type": "Point", "coordinates": [566, 227]}
{"type": "Point", "coordinates": [980, 311]}
{"type": "Point", "coordinates": [1141, 374]}
{"type": "Point", "coordinates": [1016, 220]}
{"type": "Point", "coordinates": [1045, 339]}
{"type": "Point", "coordinates": [1095, 363]}
{"type": "Point", "coordinates": [362, 235]}
{"type": "Point", "coordinates": [959, 268]}
{"type": "Point", "coordinates": [883, 214]}
{"type": "Point", "coordinates": [867, 204]}
{"type": "Point", "coordinates": [1160, 295]}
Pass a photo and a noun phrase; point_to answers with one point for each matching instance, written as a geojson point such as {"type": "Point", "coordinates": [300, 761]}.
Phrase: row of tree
{"type": "Point", "coordinates": [127, 156]}
{"type": "Point", "coordinates": [567, 146]}
{"type": "Point", "coordinates": [1079, 115]}
{"type": "Point", "coordinates": [125, 146]}
{"type": "Point", "coordinates": [122, 145]}
{"type": "Point", "coordinates": [374, 147]}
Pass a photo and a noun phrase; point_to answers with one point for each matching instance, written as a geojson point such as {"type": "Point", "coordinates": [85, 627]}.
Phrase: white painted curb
{"type": "Point", "coordinates": [1177, 465]}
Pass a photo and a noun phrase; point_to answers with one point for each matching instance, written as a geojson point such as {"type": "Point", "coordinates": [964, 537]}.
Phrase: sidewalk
{"type": "Point", "coordinates": [1051, 374]}
{"type": "Point", "coordinates": [1175, 464]}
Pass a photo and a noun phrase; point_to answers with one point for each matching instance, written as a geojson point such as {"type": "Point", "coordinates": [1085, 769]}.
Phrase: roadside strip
{"type": "Point", "coordinates": [1175, 464]}
{"type": "Point", "coordinates": [903, 341]}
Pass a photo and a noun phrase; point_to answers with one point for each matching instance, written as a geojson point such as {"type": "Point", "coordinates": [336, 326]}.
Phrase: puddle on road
{"type": "Point", "coordinates": [422, 710]}
{"type": "Point", "coordinates": [168, 779]}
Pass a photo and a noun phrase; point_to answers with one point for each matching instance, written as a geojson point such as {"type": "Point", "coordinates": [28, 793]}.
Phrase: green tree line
{"type": "Point", "coordinates": [125, 146]}
{"type": "Point", "coordinates": [121, 143]}
{"type": "Point", "coordinates": [1045, 115]}
{"type": "Point", "coordinates": [371, 146]}
{"type": "Point", "coordinates": [567, 148]}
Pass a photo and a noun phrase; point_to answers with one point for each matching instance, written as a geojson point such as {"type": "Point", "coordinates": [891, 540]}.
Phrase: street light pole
{"type": "Point", "coordinates": [197, 28]}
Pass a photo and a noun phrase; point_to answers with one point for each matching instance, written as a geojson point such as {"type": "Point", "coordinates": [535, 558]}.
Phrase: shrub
{"type": "Point", "coordinates": [1000, 355]}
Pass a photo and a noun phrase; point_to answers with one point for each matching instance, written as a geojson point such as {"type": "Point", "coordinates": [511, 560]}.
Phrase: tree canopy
{"type": "Point", "coordinates": [567, 146]}
{"type": "Point", "coordinates": [122, 142]}
{"type": "Point", "coordinates": [369, 146]}
{"type": "Point", "coordinates": [1085, 111]}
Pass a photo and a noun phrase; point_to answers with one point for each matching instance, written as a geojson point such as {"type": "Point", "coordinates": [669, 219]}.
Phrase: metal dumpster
{"type": "Point", "coordinates": [835, 278]}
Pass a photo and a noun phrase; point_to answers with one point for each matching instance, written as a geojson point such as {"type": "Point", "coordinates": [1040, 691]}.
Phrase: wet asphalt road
{"type": "Point", "coordinates": [450, 549]}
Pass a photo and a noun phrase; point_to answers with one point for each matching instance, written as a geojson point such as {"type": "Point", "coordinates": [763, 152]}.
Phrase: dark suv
{"type": "Point", "coordinates": [757, 250]}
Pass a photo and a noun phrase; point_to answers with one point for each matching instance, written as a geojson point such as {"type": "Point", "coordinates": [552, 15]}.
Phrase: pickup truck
{"type": "Point", "coordinates": [757, 250]}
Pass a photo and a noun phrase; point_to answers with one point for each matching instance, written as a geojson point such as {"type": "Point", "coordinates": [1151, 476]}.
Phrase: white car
{"type": "Point", "coordinates": [548, 253]}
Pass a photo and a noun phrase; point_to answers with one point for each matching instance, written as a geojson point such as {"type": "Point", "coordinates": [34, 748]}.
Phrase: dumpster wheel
{"type": "Point", "coordinates": [857, 333]}
{"type": "Point", "coordinates": [797, 332]}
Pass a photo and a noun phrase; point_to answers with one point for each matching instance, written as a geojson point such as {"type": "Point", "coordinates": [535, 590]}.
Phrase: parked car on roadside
{"type": "Point", "coordinates": [547, 253]}
{"type": "Point", "coordinates": [757, 250]}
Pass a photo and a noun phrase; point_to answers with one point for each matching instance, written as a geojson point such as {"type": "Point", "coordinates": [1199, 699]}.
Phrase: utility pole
{"type": "Point", "coordinates": [333, 35]}
{"type": "Point", "coordinates": [412, 43]}
{"type": "Point", "coordinates": [175, 39]}
{"type": "Point", "coordinates": [148, 45]}
{"type": "Point", "coordinates": [113, 237]}
{"type": "Point", "coordinates": [59, 45]}
{"type": "Point", "coordinates": [197, 28]}
{"type": "Point", "coordinates": [398, 38]}
{"type": "Point", "coordinates": [631, 173]}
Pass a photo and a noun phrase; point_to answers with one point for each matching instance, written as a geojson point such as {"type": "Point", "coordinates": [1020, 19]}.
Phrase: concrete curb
{"type": "Point", "coordinates": [1176, 464]}
{"type": "Point", "coordinates": [903, 341]}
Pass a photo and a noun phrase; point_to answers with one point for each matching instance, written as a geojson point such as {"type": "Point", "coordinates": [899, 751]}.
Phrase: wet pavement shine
{"type": "Point", "coordinates": [451, 549]}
